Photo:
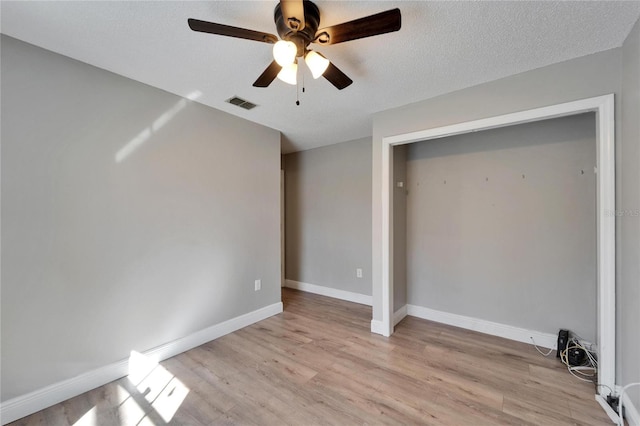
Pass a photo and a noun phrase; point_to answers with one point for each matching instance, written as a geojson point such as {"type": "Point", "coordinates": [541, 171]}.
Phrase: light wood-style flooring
{"type": "Point", "coordinates": [318, 363]}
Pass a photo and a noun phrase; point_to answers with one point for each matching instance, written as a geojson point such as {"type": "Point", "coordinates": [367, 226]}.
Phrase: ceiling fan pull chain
{"type": "Point", "coordinates": [297, 89]}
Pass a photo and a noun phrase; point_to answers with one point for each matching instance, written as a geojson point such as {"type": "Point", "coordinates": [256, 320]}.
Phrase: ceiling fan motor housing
{"type": "Point", "coordinates": [302, 38]}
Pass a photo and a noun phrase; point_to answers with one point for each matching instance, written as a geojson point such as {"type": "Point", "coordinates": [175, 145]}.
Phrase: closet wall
{"type": "Point", "coordinates": [501, 225]}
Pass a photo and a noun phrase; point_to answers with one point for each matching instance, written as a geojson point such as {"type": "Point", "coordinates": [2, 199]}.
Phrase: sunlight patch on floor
{"type": "Point", "coordinates": [161, 390]}
{"type": "Point", "coordinates": [90, 418]}
{"type": "Point", "coordinates": [129, 411]}
{"type": "Point", "coordinates": [170, 399]}
{"type": "Point", "coordinates": [149, 395]}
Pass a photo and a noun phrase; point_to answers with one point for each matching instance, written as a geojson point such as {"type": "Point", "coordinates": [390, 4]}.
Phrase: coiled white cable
{"type": "Point", "coordinates": [624, 389]}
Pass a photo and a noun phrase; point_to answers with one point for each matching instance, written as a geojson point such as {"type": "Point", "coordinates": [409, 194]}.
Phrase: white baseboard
{"type": "Point", "coordinates": [376, 327]}
{"type": "Point", "coordinates": [16, 408]}
{"type": "Point", "coordinates": [631, 411]}
{"type": "Point", "coordinates": [544, 340]}
{"type": "Point", "coordinates": [349, 296]}
{"type": "Point", "coordinates": [399, 315]}
{"type": "Point", "coordinates": [613, 416]}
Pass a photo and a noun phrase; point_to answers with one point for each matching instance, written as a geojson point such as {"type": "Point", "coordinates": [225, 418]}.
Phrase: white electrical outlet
{"type": "Point", "coordinates": [359, 273]}
{"type": "Point", "coordinates": [258, 284]}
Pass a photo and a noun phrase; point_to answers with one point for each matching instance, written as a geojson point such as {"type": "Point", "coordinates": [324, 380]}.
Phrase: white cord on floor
{"type": "Point", "coordinates": [538, 349]}
{"type": "Point", "coordinates": [624, 389]}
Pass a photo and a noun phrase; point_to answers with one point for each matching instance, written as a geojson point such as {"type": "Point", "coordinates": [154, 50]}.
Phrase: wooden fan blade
{"type": "Point", "coordinates": [268, 75]}
{"type": "Point", "coordinates": [336, 77]}
{"type": "Point", "coordinates": [229, 31]}
{"type": "Point", "coordinates": [380, 23]}
{"type": "Point", "coordinates": [293, 13]}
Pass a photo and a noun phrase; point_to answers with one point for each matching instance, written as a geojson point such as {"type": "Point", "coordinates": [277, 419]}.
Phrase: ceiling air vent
{"type": "Point", "coordinates": [242, 103]}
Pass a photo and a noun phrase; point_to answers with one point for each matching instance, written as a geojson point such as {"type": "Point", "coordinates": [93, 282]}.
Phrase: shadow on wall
{"type": "Point", "coordinates": [292, 214]}
{"type": "Point", "coordinates": [504, 138]}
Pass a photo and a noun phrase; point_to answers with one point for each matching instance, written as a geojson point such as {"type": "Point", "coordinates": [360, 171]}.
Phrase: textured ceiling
{"type": "Point", "coordinates": [442, 47]}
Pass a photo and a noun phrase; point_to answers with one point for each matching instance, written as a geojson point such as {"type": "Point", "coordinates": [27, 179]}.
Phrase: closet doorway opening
{"type": "Point", "coordinates": [603, 106]}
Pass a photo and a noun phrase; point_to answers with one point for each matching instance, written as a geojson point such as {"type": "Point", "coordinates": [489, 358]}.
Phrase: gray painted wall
{"type": "Point", "coordinates": [328, 216]}
{"type": "Point", "coordinates": [628, 291]}
{"type": "Point", "coordinates": [484, 242]}
{"type": "Point", "coordinates": [102, 257]}
{"type": "Point", "coordinates": [399, 227]}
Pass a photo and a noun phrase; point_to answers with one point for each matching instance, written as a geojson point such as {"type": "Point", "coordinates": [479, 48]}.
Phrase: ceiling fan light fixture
{"type": "Point", "coordinates": [288, 73]}
{"type": "Point", "coordinates": [284, 52]}
{"type": "Point", "coordinates": [316, 62]}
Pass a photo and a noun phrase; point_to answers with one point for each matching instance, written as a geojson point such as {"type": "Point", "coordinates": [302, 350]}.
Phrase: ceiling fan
{"type": "Point", "coordinates": [297, 23]}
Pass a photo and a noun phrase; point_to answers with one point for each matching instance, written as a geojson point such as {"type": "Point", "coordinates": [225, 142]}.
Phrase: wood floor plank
{"type": "Point", "coordinates": [588, 414]}
{"type": "Point", "coordinates": [535, 414]}
{"type": "Point", "coordinates": [317, 363]}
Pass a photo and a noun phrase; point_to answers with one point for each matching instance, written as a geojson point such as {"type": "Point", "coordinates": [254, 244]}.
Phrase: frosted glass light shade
{"type": "Point", "coordinates": [317, 63]}
{"type": "Point", "coordinates": [284, 52]}
{"type": "Point", "coordinates": [288, 73]}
